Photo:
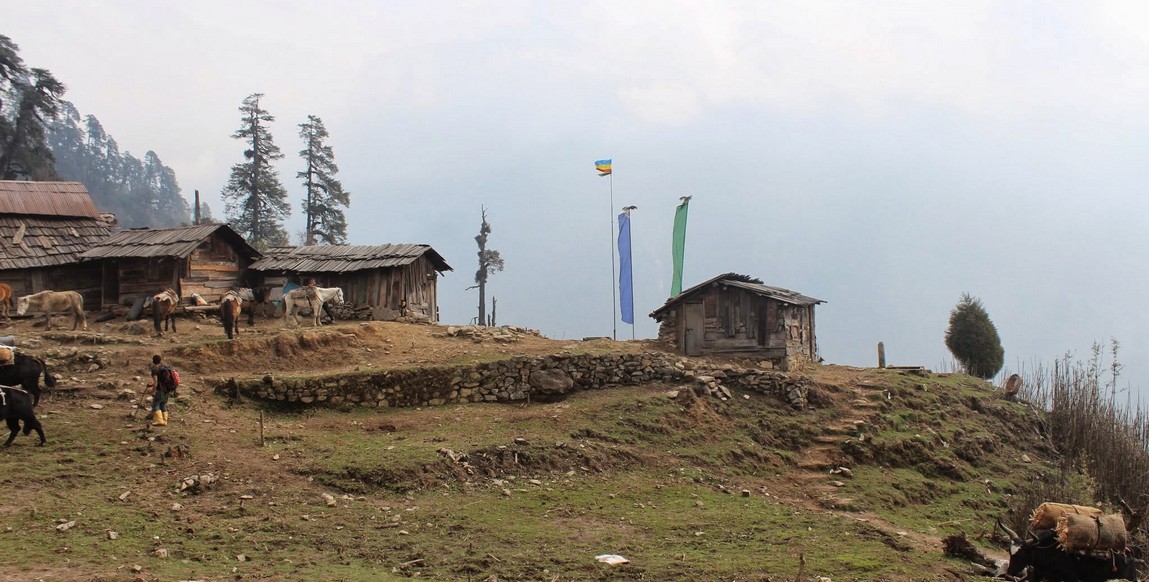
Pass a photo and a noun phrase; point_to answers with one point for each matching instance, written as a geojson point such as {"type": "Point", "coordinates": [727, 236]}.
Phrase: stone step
{"type": "Point", "coordinates": [815, 465]}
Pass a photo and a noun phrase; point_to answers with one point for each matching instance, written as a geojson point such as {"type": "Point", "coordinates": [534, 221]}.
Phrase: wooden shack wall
{"type": "Point", "coordinates": [212, 269]}
{"type": "Point", "coordinates": [732, 326]}
{"type": "Point", "coordinates": [140, 277]}
{"type": "Point", "coordinates": [81, 277]}
{"type": "Point", "coordinates": [397, 288]}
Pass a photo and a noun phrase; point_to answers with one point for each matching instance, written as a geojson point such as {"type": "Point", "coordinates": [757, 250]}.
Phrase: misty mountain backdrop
{"type": "Point", "coordinates": [140, 192]}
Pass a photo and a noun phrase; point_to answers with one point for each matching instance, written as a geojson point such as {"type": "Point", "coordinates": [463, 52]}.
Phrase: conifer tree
{"type": "Point", "coordinates": [972, 339]}
{"type": "Point", "coordinates": [139, 192]}
{"type": "Point", "coordinates": [324, 198]}
{"type": "Point", "coordinates": [256, 202]}
{"type": "Point", "coordinates": [29, 100]}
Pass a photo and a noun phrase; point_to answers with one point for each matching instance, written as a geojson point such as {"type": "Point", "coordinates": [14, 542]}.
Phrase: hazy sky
{"type": "Point", "coordinates": [882, 156]}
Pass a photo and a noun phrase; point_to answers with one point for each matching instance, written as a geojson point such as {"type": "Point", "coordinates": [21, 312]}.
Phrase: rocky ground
{"type": "Point", "coordinates": [113, 355]}
{"type": "Point", "coordinates": [108, 472]}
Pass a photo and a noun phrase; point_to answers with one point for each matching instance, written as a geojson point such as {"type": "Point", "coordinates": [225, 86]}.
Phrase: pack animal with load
{"type": "Point", "coordinates": [1070, 543]}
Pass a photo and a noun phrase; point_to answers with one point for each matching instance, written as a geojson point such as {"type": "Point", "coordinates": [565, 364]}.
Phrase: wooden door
{"type": "Point", "coordinates": [111, 283]}
{"type": "Point", "coordinates": [692, 341]}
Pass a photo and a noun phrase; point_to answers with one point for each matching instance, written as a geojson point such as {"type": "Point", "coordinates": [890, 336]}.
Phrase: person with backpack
{"type": "Point", "coordinates": [165, 380]}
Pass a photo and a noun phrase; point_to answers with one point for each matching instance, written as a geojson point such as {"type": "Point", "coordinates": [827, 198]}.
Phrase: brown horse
{"type": "Point", "coordinates": [164, 308]}
{"type": "Point", "coordinates": [54, 301]}
{"type": "Point", "coordinates": [5, 298]}
{"type": "Point", "coordinates": [254, 298]}
{"type": "Point", "coordinates": [229, 309]}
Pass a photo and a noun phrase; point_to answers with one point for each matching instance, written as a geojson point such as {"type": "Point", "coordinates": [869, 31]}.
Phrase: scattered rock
{"type": "Point", "coordinates": [197, 484]}
{"type": "Point", "coordinates": [66, 526]}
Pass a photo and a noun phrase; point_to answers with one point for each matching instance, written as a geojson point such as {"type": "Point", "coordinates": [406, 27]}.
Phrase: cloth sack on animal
{"type": "Point", "coordinates": [1086, 532]}
{"type": "Point", "coordinates": [7, 355]}
{"type": "Point", "coordinates": [1047, 514]}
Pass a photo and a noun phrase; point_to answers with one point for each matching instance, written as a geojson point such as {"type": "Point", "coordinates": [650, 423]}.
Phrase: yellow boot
{"type": "Point", "coordinates": [165, 417]}
{"type": "Point", "coordinates": [159, 419]}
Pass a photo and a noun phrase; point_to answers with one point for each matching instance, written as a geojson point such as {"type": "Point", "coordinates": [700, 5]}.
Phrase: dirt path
{"type": "Point", "coordinates": [820, 481]}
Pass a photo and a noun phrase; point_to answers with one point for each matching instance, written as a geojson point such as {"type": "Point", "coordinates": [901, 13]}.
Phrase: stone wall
{"type": "Point", "coordinates": [516, 379]}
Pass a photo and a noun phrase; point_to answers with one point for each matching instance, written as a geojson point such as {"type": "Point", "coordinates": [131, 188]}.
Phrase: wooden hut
{"type": "Point", "coordinates": [393, 279]}
{"type": "Point", "coordinates": [207, 259]}
{"type": "Point", "coordinates": [736, 315]}
{"type": "Point", "coordinates": [44, 227]}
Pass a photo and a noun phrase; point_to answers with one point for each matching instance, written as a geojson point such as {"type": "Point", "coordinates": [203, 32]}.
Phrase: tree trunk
{"type": "Point", "coordinates": [482, 303]}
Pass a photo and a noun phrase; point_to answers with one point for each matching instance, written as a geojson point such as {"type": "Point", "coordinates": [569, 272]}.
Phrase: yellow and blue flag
{"type": "Point", "coordinates": [603, 167]}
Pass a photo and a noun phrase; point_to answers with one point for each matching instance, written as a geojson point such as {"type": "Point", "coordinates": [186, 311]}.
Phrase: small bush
{"type": "Point", "coordinates": [973, 340]}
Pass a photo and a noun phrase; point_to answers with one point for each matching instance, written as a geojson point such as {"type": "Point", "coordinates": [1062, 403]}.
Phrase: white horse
{"type": "Point", "coordinates": [298, 298]}
{"type": "Point", "coordinates": [54, 301]}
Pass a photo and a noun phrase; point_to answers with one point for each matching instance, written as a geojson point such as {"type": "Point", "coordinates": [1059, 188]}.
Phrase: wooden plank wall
{"type": "Point", "coordinates": [148, 276]}
{"type": "Point", "coordinates": [391, 288]}
{"type": "Point", "coordinates": [81, 277]}
{"type": "Point", "coordinates": [732, 325]}
{"type": "Point", "coordinates": [212, 269]}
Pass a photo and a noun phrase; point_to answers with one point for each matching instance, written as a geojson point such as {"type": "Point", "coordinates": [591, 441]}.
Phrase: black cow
{"type": "Point", "coordinates": [16, 406]}
{"type": "Point", "coordinates": [1045, 561]}
{"type": "Point", "coordinates": [25, 370]}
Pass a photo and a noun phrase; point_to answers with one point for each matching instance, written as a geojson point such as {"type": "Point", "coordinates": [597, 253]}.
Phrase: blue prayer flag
{"type": "Point", "coordinates": [625, 273]}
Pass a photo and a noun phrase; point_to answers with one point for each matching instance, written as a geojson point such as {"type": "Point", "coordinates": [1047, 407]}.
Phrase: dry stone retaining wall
{"type": "Point", "coordinates": [519, 378]}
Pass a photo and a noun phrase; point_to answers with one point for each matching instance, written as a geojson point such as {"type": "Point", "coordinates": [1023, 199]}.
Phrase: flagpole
{"type": "Point", "coordinates": [632, 319]}
{"type": "Point", "coordinates": [613, 292]}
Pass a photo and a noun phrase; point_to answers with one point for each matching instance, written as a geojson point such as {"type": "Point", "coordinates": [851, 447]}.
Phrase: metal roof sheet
{"type": "Point", "coordinates": [46, 199]}
{"type": "Point", "coordinates": [164, 242]}
{"type": "Point", "coordinates": [778, 293]}
{"type": "Point", "coordinates": [346, 258]}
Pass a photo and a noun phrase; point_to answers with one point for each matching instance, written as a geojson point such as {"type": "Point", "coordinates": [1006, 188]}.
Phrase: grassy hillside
{"type": "Point", "coordinates": [861, 486]}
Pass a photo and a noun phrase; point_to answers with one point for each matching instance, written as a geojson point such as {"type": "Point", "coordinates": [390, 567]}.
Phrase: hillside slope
{"type": "Point", "coordinates": [863, 485]}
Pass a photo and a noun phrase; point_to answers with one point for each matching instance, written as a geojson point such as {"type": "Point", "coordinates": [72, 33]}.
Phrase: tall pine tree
{"type": "Point", "coordinates": [325, 197]}
{"type": "Point", "coordinates": [29, 100]}
{"type": "Point", "coordinates": [256, 203]}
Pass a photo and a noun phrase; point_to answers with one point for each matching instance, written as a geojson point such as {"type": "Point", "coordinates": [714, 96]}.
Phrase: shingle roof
{"type": "Point", "coordinates": [46, 199]}
{"type": "Point", "coordinates": [46, 241]}
{"type": "Point", "coordinates": [46, 224]}
{"type": "Point", "coordinates": [346, 258]}
{"type": "Point", "coordinates": [778, 293]}
{"type": "Point", "coordinates": [165, 242]}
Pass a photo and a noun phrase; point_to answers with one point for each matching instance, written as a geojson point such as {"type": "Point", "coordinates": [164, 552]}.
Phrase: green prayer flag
{"type": "Point", "coordinates": [679, 247]}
